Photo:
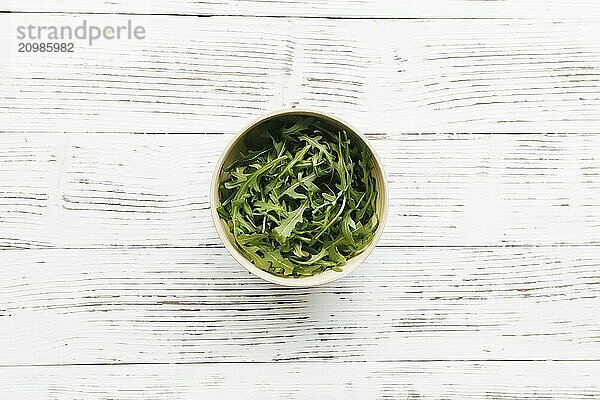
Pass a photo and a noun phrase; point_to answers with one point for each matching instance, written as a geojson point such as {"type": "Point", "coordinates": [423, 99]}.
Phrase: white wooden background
{"type": "Point", "coordinates": [486, 283]}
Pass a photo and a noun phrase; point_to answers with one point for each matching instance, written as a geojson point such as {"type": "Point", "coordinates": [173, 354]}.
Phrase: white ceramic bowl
{"type": "Point", "coordinates": [230, 154]}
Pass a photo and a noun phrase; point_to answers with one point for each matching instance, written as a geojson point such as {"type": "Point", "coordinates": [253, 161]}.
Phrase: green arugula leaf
{"type": "Point", "coordinates": [284, 230]}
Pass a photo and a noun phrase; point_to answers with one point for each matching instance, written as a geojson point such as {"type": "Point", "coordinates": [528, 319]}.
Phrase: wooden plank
{"type": "Point", "coordinates": [140, 190]}
{"type": "Point", "coordinates": [332, 8]}
{"type": "Point", "coordinates": [214, 74]}
{"type": "Point", "coordinates": [197, 305]}
{"type": "Point", "coordinates": [490, 380]}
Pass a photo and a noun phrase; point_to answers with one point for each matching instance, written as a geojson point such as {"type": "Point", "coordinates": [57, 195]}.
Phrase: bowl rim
{"type": "Point", "coordinates": [314, 280]}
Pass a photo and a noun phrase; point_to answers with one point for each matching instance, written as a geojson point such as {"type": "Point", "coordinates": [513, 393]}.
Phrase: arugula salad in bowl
{"type": "Point", "coordinates": [299, 198]}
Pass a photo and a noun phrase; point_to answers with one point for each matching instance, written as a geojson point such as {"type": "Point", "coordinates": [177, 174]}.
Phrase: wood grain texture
{"type": "Point", "coordinates": [331, 8]}
{"type": "Point", "coordinates": [384, 76]}
{"type": "Point", "coordinates": [197, 305]}
{"type": "Point", "coordinates": [411, 381]}
{"type": "Point", "coordinates": [152, 191]}
{"type": "Point", "coordinates": [111, 277]}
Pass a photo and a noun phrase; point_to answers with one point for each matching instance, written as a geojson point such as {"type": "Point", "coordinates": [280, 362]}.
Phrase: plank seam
{"type": "Point", "coordinates": [490, 360]}
{"type": "Point", "coordinates": [369, 134]}
{"type": "Point", "coordinates": [424, 247]}
{"type": "Point", "coordinates": [271, 16]}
